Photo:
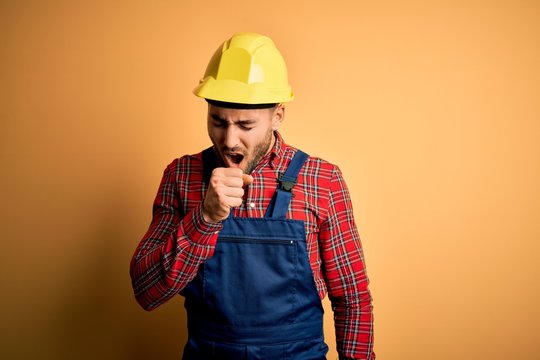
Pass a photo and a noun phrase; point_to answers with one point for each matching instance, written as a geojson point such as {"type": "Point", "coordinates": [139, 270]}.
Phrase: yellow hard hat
{"type": "Point", "coordinates": [246, 69]}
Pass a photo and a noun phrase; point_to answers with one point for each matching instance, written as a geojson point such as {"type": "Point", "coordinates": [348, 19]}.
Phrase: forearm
{"type": "Point", "coordinates": [354, 328]}
{"type": "Point", "coordinates": [161, 268]}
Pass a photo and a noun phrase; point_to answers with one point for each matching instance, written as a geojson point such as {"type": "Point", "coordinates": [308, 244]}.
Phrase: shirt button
{"type": "Point", "coordinates": [252, 205]}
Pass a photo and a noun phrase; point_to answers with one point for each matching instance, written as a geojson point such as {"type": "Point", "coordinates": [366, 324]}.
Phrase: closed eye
{"type": "Point", "coordinates": [219, 122]}
{"type": "Point", "coordinates": [245, 127]}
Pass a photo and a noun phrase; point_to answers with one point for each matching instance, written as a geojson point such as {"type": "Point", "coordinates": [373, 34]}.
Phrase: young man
{"type": "Point", "coordinates": [254, 232]}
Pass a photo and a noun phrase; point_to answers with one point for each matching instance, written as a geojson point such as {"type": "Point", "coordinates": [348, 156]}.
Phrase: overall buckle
{"type": "Point", "coordinates": [286, 184]}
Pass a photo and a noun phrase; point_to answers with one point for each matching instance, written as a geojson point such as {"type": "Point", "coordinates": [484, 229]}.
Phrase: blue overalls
{"type": "Point", "coordinates": [256, 297]}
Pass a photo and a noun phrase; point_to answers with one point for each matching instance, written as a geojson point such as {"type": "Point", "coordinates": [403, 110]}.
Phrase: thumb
{"type": "Point", "coordinates": [248, 179]}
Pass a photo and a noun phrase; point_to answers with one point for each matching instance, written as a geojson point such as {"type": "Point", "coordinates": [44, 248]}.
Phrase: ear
{"type": "Point", "coordinates": [278, 116]}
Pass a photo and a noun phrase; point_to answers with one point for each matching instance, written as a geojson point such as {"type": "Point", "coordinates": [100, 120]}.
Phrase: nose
{"type": "Point", "coordinates": [231, 137]}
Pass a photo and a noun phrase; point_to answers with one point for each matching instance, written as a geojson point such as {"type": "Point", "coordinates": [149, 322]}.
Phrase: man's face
{"type": "Point", "coordinates": [243, 137]}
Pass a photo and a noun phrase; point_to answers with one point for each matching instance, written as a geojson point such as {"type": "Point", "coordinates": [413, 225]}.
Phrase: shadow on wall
{"type": "Point", "coordinates": [98, 317]}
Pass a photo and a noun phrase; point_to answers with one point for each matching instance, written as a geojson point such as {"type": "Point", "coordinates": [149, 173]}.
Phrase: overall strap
{"type": "Point", "coordinates": [279, 205]}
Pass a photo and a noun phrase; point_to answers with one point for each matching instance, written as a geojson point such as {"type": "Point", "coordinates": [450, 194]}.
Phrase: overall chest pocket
{"type": "Point", "coordinates": [252, 282]}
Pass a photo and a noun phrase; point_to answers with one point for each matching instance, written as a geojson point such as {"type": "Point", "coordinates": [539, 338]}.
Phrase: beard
{"type": "Point", "coordinates": [261, 149]}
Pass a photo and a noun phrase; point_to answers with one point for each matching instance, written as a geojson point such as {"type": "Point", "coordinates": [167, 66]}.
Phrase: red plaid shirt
{"type": "Point", "coordinates": [179, 240]}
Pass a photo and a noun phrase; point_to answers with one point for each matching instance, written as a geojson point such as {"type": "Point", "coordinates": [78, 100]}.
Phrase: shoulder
{"type": "Point", "coordinates": [313, 191]}
{"type": "Point", "coordinates": [315, 167]}
{"type": "Point", "coordinates": [315, 179]}
{"type": "Point", "coordinates": [320, 167]}
{"type": "Point", "coordinates": [185, 166]}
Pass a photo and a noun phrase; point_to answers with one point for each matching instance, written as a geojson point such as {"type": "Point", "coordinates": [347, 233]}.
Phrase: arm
{"type": "Point", "coordinates": [169, 255]}
{"type": "Point", "coordinates": [346, 275]}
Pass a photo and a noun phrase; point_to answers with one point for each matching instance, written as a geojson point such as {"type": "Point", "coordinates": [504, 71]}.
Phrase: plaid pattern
{"type": "Point", "coordinates": [179, 240]}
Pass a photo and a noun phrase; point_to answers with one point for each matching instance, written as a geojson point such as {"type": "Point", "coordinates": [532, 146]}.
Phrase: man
{"type": "Point", "coordinates": [253, 232]}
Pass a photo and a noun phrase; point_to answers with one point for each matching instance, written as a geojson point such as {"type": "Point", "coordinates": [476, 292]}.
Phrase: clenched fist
{"type": "Point", "coordinates": [225, 191]}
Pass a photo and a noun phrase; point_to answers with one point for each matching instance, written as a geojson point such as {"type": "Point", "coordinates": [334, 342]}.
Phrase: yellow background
{"type": "Point", "coordinates": [431, 109]}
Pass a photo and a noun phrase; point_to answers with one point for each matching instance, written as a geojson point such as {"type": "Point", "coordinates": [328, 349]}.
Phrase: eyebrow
{"type": "Point", "coordinates": [218, 118]}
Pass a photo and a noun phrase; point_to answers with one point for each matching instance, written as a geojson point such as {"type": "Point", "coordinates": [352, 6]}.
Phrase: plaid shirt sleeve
{"type": "Point", "coordinates": [169, 255]}
{"type": "Point", "coordinates": [345, 274]}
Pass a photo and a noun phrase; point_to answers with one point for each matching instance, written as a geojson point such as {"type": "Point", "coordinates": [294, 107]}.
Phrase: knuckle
{"type": "Point", "coordinates": [214, 182]}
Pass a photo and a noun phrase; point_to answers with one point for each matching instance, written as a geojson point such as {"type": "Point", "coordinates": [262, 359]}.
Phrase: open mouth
{"type": "Point", "coordinates": [235, 158]}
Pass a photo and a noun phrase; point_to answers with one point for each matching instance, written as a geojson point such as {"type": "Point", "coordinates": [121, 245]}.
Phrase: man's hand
{"type": "Point", "coordinates": [225, 191]}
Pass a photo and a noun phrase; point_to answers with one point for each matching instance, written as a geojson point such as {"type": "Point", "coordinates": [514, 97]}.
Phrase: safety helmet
{"type": "Point", "coordinates": [246, 69]}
